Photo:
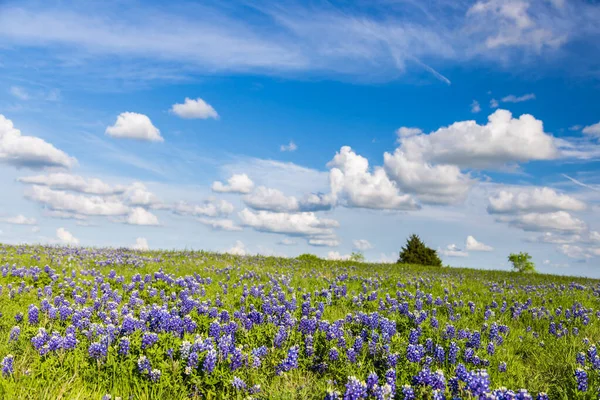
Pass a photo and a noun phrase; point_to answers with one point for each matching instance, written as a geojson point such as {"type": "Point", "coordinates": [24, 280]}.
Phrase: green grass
{"type": "Point", "coordinates": [74, 375]}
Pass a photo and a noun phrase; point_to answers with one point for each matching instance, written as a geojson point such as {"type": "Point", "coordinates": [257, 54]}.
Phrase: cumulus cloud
{"type": "Point", "coordinates": [560, 221]}
{"type": "Point", "coordinates": [324, 241]}
{"type": "Point", "coordinates": [362, 244]}
{"type": "Point", "coordinates": [556, 238]}
{"type": "Point", "coordinates": [238, 183]}
{"type": "Point", "coordinates": [475, 107]}
{"type": "Point", "coordinates": [302, 224]}
{"type": "Point", "coordinates": [532, 199]}
{"type": "Point", "coordinates": [66, 237]}
{"type": "Point", "coordinates": [467, 144]}
{"type": "Point", "coordinates": [130, 125]}
{"type": "Point", "coordinates": [453, 251]}
{"type": "Point", "coordinates": [472, 244]}
{"type": "Point", "coordinates": [511, 98]}
{"type": "Point", "coordinates": [75, 203]}
{"type": "Point", "coordinates": [140, 216]}
{"type": "Point", "coordinates": [191, 109]}
{"type": "Point", "coordinates": [73, 183]}
{"type": "Point", "coordinates": [19, 220]}
{"type": "Point", "coordinates": [289, 147]}
{"type": "Point", "coordinates": [138, 195]}
{"type": "Point", "coordinates": [220, 224]}
{"type": "Point", "coordinates": [263, 198]}
{"type": "Point", "coordinates": [141, 244]}
{"type": "Point", "coordinates": [211, 207]}
{"type": "Point", "coordinates": [574, 251]}
{"type": "Point", "coordinates": [334, 255]}
{"type": "Point", "coordinates": [592, 130]}
{"type": "Point", "coordinates": [351, 182]}
{"type": "Point", "coordinates": [435, 184]}
{"type": "Point", "coordinates": [29, 151]}
{"type": "Point", "coordinates": [239, 249]}
{"type": "Point", "coordinates": [288, 242]}
{"type": "Point", "coordinates": [405, 131]}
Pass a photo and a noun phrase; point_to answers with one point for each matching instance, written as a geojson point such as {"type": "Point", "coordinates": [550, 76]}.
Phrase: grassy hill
{"type": "Point", "coordinates": [88, 323]}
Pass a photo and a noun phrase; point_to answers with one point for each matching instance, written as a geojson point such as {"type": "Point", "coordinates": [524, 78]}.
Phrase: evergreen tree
{"type": "Point", "coordinates": [415, 252]}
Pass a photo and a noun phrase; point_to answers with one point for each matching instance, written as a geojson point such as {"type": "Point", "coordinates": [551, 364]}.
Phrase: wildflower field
{"type": "Point", "coordinates": [114, 323]}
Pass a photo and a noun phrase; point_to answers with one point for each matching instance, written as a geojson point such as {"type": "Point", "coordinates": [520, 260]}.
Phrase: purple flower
{"type": "Point", "coordinates": [149, 339]}
{"type": "Point", "coordinates": [210, 361]}
{"type": "Point", "coordinates": [155, 375]}
{"type": "Point", "coordinates": [290, 362]}
{"type": "Point", "coordinates": [582, 380]}
{"type": "Point", "coordinates": [502, 366]}
{"type": "Point", "coordinates": [372, 381]}
{"type": "Point", "coordinates": [98, 350]}
{"type": "Point", "coordinates": [408, 392]}
{"type": "Point", "coordinates": [124, 345]}
{"type": "Point", "coordinates": [355, 389]}
{"type": "Point", "coordinates": [33, 314]}
{"type": "Point", "coordinates": [334, 354]}
{"type": "Point", "coordinates": [144, 366]}
{"type": "Point", "coordinates": [238, 383]}
{"type": "Point", "coordinates": [7, 365]}
{"type": "Point", "coordinates": [15, 332]}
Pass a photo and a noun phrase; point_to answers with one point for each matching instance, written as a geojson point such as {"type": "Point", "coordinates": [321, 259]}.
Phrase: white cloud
{"type": "Point", "coordinates": [453, 251]}
{"type": "Point", "coordinates": [29, 151]}
{"type": "Point", "coordinates": [19, 220]}
{"type": "Point", "coordinates": [527, 199]}
{"type": "Point", "coordinates": [288, 242]}
{"type": "Point", "coordinates": [325, 241]}
{"type": "Point", "coordinates": [140, 216]}
{"type": "Point", "coordinates": [494, 103]}
{"type": "Point", "coordinates": [475, 107]}
{"type": "Point", "coordinates": [238, 183]}
{"type": "Point", "coordinates": [194, 109]}
{"type": "Point", "coordinates": [304, 224]}
{"type": "Point", "coordinates": [473, 245]}
{"type": "Point", "coordinates": [130, 125]}
{"type": "Point", "coordinates": [466, 144]}
{"type": "Point", "coordinates": [138, 195]}
{"type": "Point", "coordinates": [518, 99]}
{"type": "Point", "coordinates": [263, 198]}
{"type": "Point", "coordinates": [362, 244]}
{"type": "Point", "coordinates": [239, 249]}
{"type": "Point", "coordinates": [556, 238]}
{"type": "Point", "coordinates": [66, 237]}
{"type": "Point", "coordinates": [73, 183]}
{"type": "Point", "coordinates": [334, 255]}
{"type": "Point", "coordinates": [404, 132]}
{"type": "Point", "coordinates": [220, 224]}
{"type": "Point", "coordinates": [19, 92]}
{"type": "Point", "coordinates": [573, 251]}
{"type": "Point", "coordinates": [141, 244]}
{"type": "Point", "coordinates": [76, 204]}
{"type": "Point", "coordinates": [575, 128]}
{"type": "Point", "coordinates": [211, 207]}
{"type": "Point", "coordinates": [592, 130]}
{"type": "Point", "coordinates": [594, 236]}
{"type": "Point", "coordinates": [560, 221]}
{"type": "Point", "coordinates": [351, 181]}
{"type": "Point", "coordinates": [64, 215]}
{"type": "Point", "coordinates": [436, 184]}
{"type": "Point", "coordinates": [289, 147]}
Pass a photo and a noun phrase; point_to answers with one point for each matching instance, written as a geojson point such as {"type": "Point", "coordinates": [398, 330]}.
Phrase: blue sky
{"type": "Point", "coordinates": [331, 126]}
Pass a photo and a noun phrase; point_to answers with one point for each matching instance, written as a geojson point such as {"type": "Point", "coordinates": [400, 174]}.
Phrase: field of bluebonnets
{"type": "Point", "coordinates": [114, 323]}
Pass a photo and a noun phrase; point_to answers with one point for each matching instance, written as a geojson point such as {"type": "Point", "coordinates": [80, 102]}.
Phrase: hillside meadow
{"type": "Point", "coordinates": [79, 323]}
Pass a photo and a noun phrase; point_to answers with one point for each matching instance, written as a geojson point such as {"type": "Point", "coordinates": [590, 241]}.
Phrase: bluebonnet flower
{"type": "Point", "coordinates": [414, 353]}
{"type": "Point", "coordinates": [148, 339]}
{"type": "Point", "coordinates": [355, 389]}
{"type": "Point", "coordinates": [351, 354]}
{"type": "Point", "coordinates": [210, 361]}
{"type": "Point", "coordinates": [144, 366]}
{"type": "Point", "coordinates": [7, 365]}
{"type": "Point", "coordinates": [502, 366]}
{"type": "Point", "coordinates": [98, 350]}
{"type": "Point", "coordinates": [372, 381]}
{"type": "Point", "coordinates": [155, 375]}
{"type": "Point", "coordinates": [238, 383]}
{"type": "Point", "coordinates": [124, 345]}
{"type": "Point", "coordinates": [408, 392]}
{"type": "Point", "coordinates": [237, 359]}
{"type": "Point", "coordinates": [69, 342]}
{"type": "Point", "coordinates": [582, 380]}
{"type": "Point", "coordinates": [334, 354]}
{"type": "Point", "coordinates": [478, 383]}
{"type": "Point", "coordinates": [542, 396]}
{"type": "Point", "coordinates": [290, 362]}
{"type": "Point", "coordinates": [15, 332]}
{"type": "Point", "coordinates": [453, 353]}
{"type": "Point", "coordinates": [33, 314]}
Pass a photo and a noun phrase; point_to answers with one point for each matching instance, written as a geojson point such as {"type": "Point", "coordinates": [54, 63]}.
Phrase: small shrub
{"type": "Point", "coordinates": [416, 252]}
{"type": "Point", "coordinates": [308, 257]}
{"type": "Point", "coordinates": [522, 263]}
